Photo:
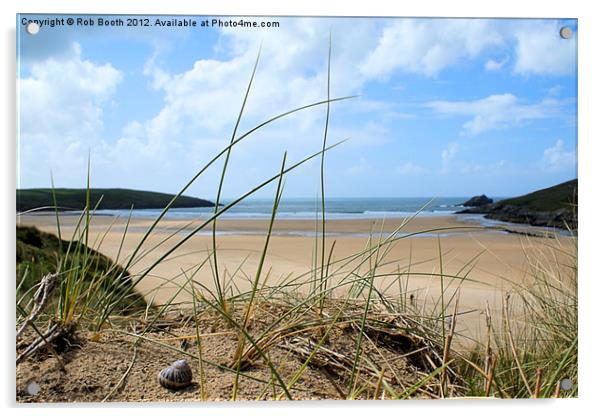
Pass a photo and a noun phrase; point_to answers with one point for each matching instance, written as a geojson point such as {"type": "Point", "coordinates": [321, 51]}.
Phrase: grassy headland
{"type": "Point", "coordinates": [552, 207]}
{"type": "Point", "coordinates": [112, 198]}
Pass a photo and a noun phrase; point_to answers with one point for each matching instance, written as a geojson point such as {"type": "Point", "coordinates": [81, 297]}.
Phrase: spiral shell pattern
{"type": "Point", "coordinates": [176, 376]}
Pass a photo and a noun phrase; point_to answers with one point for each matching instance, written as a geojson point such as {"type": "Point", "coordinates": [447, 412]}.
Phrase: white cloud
{"type": "Point", "coordinates": [410, 169]}
{"type": "Point", "coordinates": [556, 158]}
{"type": "Point", "coordinates": [448, 155]}
{"type": "Point", "coordinates": [201, 102]}
{"type": "Point", "coordinates": [450, 152]}
{"type": "Point", "coordinates": [495, 112]}
{"type": "Point", "coordinates": [555, 90]}
{"type": "Point", "coordinates": [427, 46]}
{"type": "Point", "coordinates": [159, 77]}
{"type": "Point", "coordinates": [493, 65]}
{"type": "Point", "coordinates": [61, 114]}
{"type": "Point", "coordinates": [541, 51]}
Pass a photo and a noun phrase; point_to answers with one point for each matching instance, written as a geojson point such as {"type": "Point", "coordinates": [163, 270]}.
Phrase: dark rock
{"type": "Point", "coordinates": [555, 206]}
{"type": "Point", "coordinates": [478, 201]}
{"type": "Point", "coordinates": [559, 218]}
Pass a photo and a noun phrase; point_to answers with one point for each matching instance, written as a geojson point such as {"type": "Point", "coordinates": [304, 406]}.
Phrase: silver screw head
{"type": "Point", "coordinates": [32, 28]}
{"type": "Point", "coordinates": [33, 388]}
{"type": "Point", "coordinates": [566, 384]}
{"type": "Point", "coordinates": [566, 32]}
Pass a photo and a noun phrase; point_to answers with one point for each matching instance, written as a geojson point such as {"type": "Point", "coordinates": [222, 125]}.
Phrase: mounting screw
{"type": "Point", "coordinates": [566, 32]}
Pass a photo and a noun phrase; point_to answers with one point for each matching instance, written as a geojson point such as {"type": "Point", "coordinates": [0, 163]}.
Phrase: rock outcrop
{"type": "Point", "coordinates": [478, 201]}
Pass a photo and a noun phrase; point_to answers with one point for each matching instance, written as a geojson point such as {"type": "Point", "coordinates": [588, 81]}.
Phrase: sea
{"type": "Point", "coordinates": [311, 208]}
{"type": "Point", "coordinates": [335, 209]}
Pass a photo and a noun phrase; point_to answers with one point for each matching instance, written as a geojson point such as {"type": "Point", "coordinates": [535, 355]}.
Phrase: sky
{"type": "Point", "coordinates": [441, 107]}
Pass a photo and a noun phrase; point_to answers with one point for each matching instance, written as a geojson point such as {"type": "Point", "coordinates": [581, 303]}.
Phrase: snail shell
{"type": "Point", "coordinates": [176, 376]}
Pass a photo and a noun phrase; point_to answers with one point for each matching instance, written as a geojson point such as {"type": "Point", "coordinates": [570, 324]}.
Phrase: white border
{"type": "Point", "coordinates": [590, 153]}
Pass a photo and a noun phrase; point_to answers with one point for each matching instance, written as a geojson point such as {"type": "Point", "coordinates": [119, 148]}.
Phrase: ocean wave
{"type": "Point", "coordinates": [336, 208]}
{"type": "Point", "coordinates": [183, 214]}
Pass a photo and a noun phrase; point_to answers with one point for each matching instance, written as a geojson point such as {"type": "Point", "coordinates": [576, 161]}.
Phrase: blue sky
{"type": "Point", "coordinates": [445, 107]}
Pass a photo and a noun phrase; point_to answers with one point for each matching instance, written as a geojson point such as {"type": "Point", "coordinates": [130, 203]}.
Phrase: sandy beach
{"type": "Point", "coordinates": [481, 263]}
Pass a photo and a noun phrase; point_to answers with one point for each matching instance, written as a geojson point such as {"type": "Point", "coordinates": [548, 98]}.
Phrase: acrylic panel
{"type": "Point", "coordinates": [261, 208]}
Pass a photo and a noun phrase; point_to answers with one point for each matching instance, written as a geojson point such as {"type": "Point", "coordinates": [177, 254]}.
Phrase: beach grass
{"type": "Point", "coordinates": [533, 346]}
{"type": "Point", "coordinates": [332, 322]}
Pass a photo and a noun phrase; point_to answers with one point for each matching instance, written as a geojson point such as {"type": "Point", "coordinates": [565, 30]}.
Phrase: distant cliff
{"type": "Point", "coordinates": [115, 198]}
{"type": "Point", "coordinates": [552, 207]}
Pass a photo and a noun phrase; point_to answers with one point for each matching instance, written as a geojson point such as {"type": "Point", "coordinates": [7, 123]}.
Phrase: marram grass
{"type": "Point", "coordinates": [528, 349]}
